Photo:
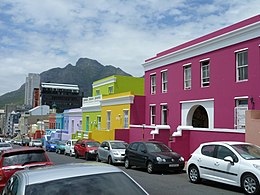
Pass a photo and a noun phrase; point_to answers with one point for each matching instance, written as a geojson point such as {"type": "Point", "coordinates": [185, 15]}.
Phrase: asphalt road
{"type": "Point", "coordinates": [163, 183]}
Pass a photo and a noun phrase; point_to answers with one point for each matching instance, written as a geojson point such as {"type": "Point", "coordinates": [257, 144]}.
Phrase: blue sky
{"type": "Point", "coordinates": [37, 35]}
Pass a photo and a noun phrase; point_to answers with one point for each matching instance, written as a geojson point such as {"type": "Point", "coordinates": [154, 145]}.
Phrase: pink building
{"type": "Point", "coordinates": [199, 91]}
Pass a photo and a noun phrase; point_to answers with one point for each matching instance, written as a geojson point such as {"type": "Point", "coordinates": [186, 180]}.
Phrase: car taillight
{"type": "Point", "coordinates": [1, 175]}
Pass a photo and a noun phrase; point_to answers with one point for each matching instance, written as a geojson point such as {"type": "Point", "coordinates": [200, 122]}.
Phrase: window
{"type": "Point", "coordinates": [242, 65]}
{"type": "Point", "coordinates": [208, 150]}
{"type": "Point", "coordinates": [152, 114]}
{"type": "Point", "coordinates": [99, 122]}
{"type": "Point", "coordinates": [111, 89]}
{"type": "Point", "coordinates": [125, 119]}
{"type": "Point", "coordinates": [164, 82]}
{"type": "Point", "coordinates": [108, 120]}
{"type": "Point", "coordinates": [223, 152]}
{"type": "Point", "coordinates": [164, 109]}
{"type": "Point", "coordinates": [97, 92]}
{"type": "Point", "coordinates": [187, 77]}
{"type": "Point", "coordinates": [205, 73]}
{"type": "Point", "coordinates": [153, 84]}
{"type": "Point", "coordinates": [240, 113]}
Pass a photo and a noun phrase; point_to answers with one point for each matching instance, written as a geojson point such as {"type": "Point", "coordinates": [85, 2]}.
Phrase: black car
{"type": "Point", "coordinates": [154, 156]}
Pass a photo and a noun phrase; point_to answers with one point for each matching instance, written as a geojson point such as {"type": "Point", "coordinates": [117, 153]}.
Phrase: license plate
{"type": "Point", "coordinates": [173, 165]}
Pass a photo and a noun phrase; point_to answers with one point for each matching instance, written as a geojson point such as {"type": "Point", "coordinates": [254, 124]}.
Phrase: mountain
{"type": "Point", "coordinates": [83, 74]}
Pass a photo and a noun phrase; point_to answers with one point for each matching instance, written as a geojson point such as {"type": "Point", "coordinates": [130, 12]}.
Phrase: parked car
{"type": "Point", "coordinates": [233, 163]}
{"type": "Point", "coordinates": [21, 158]}
{"type": "Point", "coordinates": [86, 148]}
{"type": "Point", "coordinates": [112, 151]}
{"type": "Point", "coordinates": [18, 141]}
{"type": "Point", "coordinates": [154, 156]}
{"type": "Point", "coordinates": [5, 146]}
{"type": "Point", "coordinates": [69, 147]}
{"type": "Point", "coordinates": [35, 143]}
{"type": "Point", "coordinates": [51, 145]}
{"type": "Point", "coordinates": [25, 141]}
{"type": "Point", "coordinates": [60, 148]}
{"type": "Point", "coordinates": [70, 179]}
{"type": "Point", "coordinates": [8, 140]}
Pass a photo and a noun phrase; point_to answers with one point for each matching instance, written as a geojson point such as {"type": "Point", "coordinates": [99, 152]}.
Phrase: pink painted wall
{"type": "Point", "coordinates": [137, 111]}
{"type": "Point", "coordinates": [122, 134]}
{"type": "Point", "coordinates": [190, 140]}
{"type": "Point", "coordinates": [223, 86]}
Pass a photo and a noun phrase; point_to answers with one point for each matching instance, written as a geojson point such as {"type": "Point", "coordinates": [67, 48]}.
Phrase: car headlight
{"type": "Point", "coordinates": [116, 153]}
{"type": "Point", "coordinates": [159, 159]}
{"type": "Point", "coordinates": [256, 166]}
{"type": "Point", "coordinates": [181, 159]}
{"type": "Point", "coordinates": [92, 151]}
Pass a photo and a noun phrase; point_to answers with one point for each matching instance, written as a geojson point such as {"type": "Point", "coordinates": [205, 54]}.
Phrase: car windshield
{"type": "Point", "coordinates": [157, 147]}
{"type": "Point", "coordinates": [21, 158]}
{"type": "Point", "coordinates": [92, 144]}
{"type": "Point", "coordinates": [108, 183]}
{"type": "Point", "coordinates": [5, 145]}
{"type": "Point", "coordinates": [37, 141]}
{"type": "Point", "coordinates": [248, 151]}
{"type": "Point", "coordinates": [118, 145]}
{"type": "Point", "coordinates": [53, 142]}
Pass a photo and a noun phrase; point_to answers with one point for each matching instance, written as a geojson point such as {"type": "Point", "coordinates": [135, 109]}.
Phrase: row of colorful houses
{"type": "Point", "coordinates": [204, 90]}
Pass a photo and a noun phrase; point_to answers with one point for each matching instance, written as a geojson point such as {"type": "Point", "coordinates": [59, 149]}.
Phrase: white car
{"type": "Point", "coordinates": [233, 163]}
{"type": "Point", "coordinates": [112, 151]}
{"type": "Point", "coordinates": [69, 147]}
{"type": "Point", "coordinates": [35, 143]}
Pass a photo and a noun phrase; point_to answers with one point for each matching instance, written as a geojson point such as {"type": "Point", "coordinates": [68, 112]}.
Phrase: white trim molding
{"type": "Point", "coordinates": [180, 128]}
{"type": "Point", "coordinates": [192, 101]}
{"type": "Point", "coordinates": [224, 40]}
{"type": "Point", "coordinates": [241, 97]}
{"type": "Point", "coordinates": [188, 64]}
{"type": "Point", "coordinates": [239, 50]}
{"type": "Point", "coordinates": [118, 100]}
{"type": "Point", "coordinates": [104, 82]}
{"type": "Point", "coordinates": [205, 59]}
{"type": "Point", "coordinates": [165, 70]}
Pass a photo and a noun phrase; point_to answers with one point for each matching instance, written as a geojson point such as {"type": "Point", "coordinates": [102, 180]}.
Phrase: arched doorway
{"type": "Point", "coordinates": [200, 118]}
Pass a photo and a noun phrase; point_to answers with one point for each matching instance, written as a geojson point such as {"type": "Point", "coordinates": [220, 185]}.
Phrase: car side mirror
{"type": "Point", "coordinates": [106, 148]}
{"type": "Point", "coordinates": [229, 159]}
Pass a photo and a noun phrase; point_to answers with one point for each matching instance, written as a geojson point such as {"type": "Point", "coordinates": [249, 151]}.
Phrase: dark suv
{"type": "Point", "coordinates": [22, 158]}
{"type": "Point", "coordinates": [154, 156]}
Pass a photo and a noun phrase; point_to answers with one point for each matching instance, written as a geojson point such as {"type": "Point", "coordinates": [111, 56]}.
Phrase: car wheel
{"type": "Point", "coordinates": [150, 167]}
{"type": "Point", "coordinates": [97, 158]}
{"type": "Point", "coordinates": [109, 160]}
{"type": "Point", "coordinates": [194, 174]}
{"type": "Point", "coordinates": [250, 184]}
{"type": "Point", "coordinates": [70, 153]}
{"type": "Point", "coordinates": [86, 156]}
{"type": "Point", "coordinates": [127, 163]}
{"type": "Point", "coordinates": [59, 151]}
{"type": "Point", "coordinates": [76, 154]}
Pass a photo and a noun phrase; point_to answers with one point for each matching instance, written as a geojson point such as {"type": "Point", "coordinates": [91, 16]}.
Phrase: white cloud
{"type": "Point", "coordinates": [38, 35]}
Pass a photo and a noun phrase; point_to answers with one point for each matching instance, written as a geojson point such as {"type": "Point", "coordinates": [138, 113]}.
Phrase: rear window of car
{"type": "Point", "coordinates": [24, 158]}
{"type": "Point", "coordinates": [5, 145]}
{"type": "Point", "coordinates": [108, 183]}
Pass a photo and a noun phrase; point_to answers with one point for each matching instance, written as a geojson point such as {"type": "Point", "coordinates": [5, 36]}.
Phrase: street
{"type": "Point", "coordinates": [163, 183]}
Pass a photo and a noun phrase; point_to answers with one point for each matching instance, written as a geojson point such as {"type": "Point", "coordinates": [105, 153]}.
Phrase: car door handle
{"type": "Point", "coordinates": [199, 159]}
{"type": "Point", "coordinates": [216, 163]}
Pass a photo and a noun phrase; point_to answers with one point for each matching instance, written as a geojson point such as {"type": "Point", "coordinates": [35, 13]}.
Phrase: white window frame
{"type": "Point", "coordinates": [164, 114]}
{"type": "Point", "coordinates": [98, 122]}
{"type": "Point", "coordinates": [187, 76]}
{"type": "Point", "coordinates": [126, 118]}
{"type": "Point", "coordinates": [164, 75]}
{"type": "Point", "coordinates": [108, 120]}
{"type": "Point", "coordinates": [205, 73]}
{"type": "Point", "coordinates": [153, 83]}
{"type": "Point", "coordinates": [242, 66]}
{"type": "Point", "coordinates": [240, 113]}
{"type": "Point", "coordinates": [152, 114]}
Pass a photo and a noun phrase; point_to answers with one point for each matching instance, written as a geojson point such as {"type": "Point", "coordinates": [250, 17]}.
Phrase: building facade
{"type": "Point", "coordinates": [32, 84]}
{"type": "Point", "coordinates": [202, 89]}
{"type": "Point", "coordinates": [60, 96]}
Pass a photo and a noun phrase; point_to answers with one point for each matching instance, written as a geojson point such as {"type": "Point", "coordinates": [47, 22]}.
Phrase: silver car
{"type": "Point", "coordinates": [70, 179]}
{"type": "Point", "coordinates": [111, 151]}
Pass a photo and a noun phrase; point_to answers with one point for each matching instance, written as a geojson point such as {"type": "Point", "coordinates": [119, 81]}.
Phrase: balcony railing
{"type": "Point", "coordinates": [91, 100]}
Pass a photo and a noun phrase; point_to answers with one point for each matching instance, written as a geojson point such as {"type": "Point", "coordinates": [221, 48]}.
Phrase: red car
{"type": "Point", "coordinates": [86, 148]}
{"type": "Point", "coordinates": [18, 159]}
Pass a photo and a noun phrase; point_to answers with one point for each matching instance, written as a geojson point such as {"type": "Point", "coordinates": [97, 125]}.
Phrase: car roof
{"type": "Point", "coordinates": [17, 150]}
{"type": "Point", "coordinates": [226, 142]}
{"type": "Point", "coordinates": [62, 171]}
{"type": "Point", "coordinates": [114, 141]}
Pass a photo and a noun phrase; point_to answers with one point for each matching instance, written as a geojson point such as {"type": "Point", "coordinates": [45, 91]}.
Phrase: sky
{"type": "Point", "coordinates": [37, 35]}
